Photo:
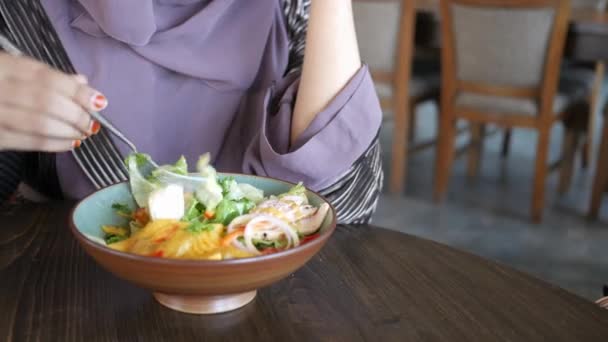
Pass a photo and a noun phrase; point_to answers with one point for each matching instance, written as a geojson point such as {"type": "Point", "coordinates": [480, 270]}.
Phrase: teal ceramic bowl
{"type": "Point", "coordinates": [194, 286]}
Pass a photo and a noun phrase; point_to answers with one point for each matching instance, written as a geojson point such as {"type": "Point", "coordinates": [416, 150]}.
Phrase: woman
{"type": "Point", "coordinates": [186, 77]}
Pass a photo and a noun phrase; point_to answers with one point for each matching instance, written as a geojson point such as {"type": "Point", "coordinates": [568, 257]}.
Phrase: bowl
{"type": "Point", "coordinates": [193, 286]}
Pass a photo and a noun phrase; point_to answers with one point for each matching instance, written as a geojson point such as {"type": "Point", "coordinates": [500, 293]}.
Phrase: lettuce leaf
{"type": "Point", "coordinates": [143, 176]}
{"type": "Point", "coordinates": [225, 212]}
{"type": "Point", "coordinates": [197, 226]}
{"type": "Point", "coordinates": [122, 209]}
{"type": "Point", "coordinates": [139, 168]}
{"type": "Point", "coordinates": [209, 193]}
{"type": "Point", "coordinates": [234, 191]}
{"type": "Point", "coordinates": [228, 210]}
{"type": "Point", "coordinates": [263, 244]}
{"type": "Point", "coordinates": [227, 184]}
{"type": "Point", "coordinates": [180, 167]}
{"type": "Point", "coordinates": [110, 239]}
{"type": "Point", "coordinates": [192, 210]}
{"type": "Point", "coordinates": [251, 193]}
{"type": "Point", "coordinates": [298, 191]}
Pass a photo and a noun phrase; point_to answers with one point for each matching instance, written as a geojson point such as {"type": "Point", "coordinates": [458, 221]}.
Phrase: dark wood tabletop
{"type": "Point", "coordinates": [367, 283]}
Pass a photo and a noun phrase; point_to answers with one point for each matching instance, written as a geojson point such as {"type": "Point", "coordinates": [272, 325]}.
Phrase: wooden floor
{"type": "Point", "coordinates": [488, 215]}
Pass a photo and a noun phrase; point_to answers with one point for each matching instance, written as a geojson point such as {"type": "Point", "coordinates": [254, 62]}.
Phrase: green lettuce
{"type": "Point", "coordinates": [197, 226]}
{"type": "Point", "coordinates": [227, 210]}
{"type": "Point", "coordinates": [139, 167]}
{"type": "Point", "coordinates": [180, 167]}
{"type": "Point", "coordinates": [298, 191]}
{"type": "Point", "coordinates": [193, 210]}
{"type": "Point", "coordinates": [122, 209]}
{"type": "Point", "coordinates": [209, 192]}
{"type": "Point", "coordinates": [144, 177]}
{"type": "Point", "coordinates": [234, 191]}
{"type": "Point", "coordinates": [110, 239]}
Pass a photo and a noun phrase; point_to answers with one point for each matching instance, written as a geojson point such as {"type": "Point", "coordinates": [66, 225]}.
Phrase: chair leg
{"type": "Point", "coordinates": [506, 143]}
{"type": "Point", "coordinates": [594, 101]}
{"type": "Point", "coordinates": [540, 173]}
{"type": "Point", "coordinates": [412, 127]}
{"type": "Point", "coordinates": [569, 147]}
{"type": "Point", "coordinates": [400, 150]}
{"type": "Point", "coordinates": [585, 156]}
{"type": "Point", "coordinates": [475, 148]}
{"type": "Point", "coordinates": [445, 157]}
{"type": "Point", "coordinates": [601, 174]}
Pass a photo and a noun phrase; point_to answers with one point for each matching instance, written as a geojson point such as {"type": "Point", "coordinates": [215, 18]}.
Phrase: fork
{"type": "Point", "coordinates": [188, 182]}
{"type": "Point", "coordinates": [14, 51]}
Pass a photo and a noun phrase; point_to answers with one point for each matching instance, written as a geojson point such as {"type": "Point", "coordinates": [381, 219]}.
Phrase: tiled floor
{"type": "Point", "coordinates": [488, 215]}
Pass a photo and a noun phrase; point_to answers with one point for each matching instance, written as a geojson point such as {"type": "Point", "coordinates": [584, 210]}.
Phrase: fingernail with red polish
{"type": "Point", "coordinates": [76, 143]}
{"type": "Point", "coordinates": [99, 101]}
{"type": "Point", "coordinates": [95, 127]}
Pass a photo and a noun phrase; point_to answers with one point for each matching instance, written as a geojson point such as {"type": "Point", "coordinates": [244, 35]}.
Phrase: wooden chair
{"type": "Point", "coordinates": [385, 31]}
{"type": "Point", "coordinates": [600, 182]}
{"type": "Point", "coordinates": [599, 69]}
{"type": "Point", "coordinates": [501, 65]}
{"type": "Point", "coordinates": [593, 74]}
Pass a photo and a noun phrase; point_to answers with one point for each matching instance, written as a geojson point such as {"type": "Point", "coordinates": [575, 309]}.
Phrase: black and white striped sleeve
{"type": "Point", "coordinates": [355, 194]}
{"type": "Point", "coordinates": [11, 173]}
{"type": "Point", "coordinates": [11, 163]}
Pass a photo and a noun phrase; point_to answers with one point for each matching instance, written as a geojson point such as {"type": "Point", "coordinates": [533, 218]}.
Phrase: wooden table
{"type": "Point", "coordinates": [367, 284]}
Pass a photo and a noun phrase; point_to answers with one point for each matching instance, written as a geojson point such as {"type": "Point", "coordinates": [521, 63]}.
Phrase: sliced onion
{"type": "Point", "coordinates": [251, 228]}
{"type": "Point", "coordinates": [239, 221]}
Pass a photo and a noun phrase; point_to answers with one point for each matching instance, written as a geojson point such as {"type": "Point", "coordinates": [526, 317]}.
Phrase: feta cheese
{"type": "Point", "coordinates": [167, 203]}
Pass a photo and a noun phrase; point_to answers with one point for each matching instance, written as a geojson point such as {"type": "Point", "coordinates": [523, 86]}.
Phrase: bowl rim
{"type": "Point", "coordinates": [195, 262]}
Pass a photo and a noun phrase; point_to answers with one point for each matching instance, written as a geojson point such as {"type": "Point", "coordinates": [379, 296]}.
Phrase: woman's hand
{"type": "Point", "coordinates": [42, 109]}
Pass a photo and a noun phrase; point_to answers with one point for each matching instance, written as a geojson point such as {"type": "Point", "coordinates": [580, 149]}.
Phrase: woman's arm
{"type": "Point", "coordinates": [330, 60]}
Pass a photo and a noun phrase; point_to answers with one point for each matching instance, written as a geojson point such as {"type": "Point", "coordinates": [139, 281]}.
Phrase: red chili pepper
{"type": "Point", "coordinates": [270, 250]}
{"type": "Point", "coordinates": [141, 216]}
{"type": "Point", "coordinates": [309, 238]}
{"type": "Point", "coordinates": [158, 254]}
{"type": "Point", "coordinates": [227, 240]}
{"type": "Point", "coordinates": [168, 235]}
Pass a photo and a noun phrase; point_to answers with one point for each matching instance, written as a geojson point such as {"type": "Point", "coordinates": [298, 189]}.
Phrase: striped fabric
{"type": "Point", "coordinates": [11, 172]}
{"type": "Point", "coordinates": [296, 17]}
{"type": "Point", "coordinates": [33, 33]}
{"type": "Point", "coordinates": [354, 195]}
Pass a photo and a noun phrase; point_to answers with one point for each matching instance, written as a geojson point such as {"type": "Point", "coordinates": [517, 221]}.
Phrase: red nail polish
{"type": "Point", "coordinates": [95, 127]}
{"type": "Point", "coordinates": [76, 143]}
{"type": "Point", "coordinates": [99, 102]}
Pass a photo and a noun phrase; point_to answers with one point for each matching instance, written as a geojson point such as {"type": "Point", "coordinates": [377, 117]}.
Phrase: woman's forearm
{"type": "Point", "coordinates": [330, 60]}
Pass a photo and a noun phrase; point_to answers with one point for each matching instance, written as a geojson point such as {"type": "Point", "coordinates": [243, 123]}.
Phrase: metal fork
{"type": "Point", "coordinates": [189, 182]}
{"type": "Point", "coordinates": [13, 50]}
{"type": "Point", "coordinates": [27, 22]}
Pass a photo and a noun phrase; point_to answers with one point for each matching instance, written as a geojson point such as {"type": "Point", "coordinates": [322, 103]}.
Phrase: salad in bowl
{"type": "Point", "coordinates": [202, 242]}
{"type": "Point", "coordinates": [215, 219]}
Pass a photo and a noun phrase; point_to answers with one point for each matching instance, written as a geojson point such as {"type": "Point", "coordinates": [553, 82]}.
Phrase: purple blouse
{"type": "Point", "coordinates": [191, 76]}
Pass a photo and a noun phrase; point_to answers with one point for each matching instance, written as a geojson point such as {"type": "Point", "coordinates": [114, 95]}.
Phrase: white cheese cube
{"type": "Point", "coordinates": [167, 203]}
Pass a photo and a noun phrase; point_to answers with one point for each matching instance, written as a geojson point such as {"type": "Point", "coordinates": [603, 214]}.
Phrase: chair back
{"type": "Point", "coordinates": [505, 48]}
{"type": "Point", "coordinates": [385, 34]}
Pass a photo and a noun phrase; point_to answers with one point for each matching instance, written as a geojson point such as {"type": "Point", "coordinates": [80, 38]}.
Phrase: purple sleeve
{"type": "Point", "coordinates": [325, 151]}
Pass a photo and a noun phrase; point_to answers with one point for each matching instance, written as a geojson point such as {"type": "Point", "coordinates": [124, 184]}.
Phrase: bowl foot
{"type": "Point", "coordinates": [205, 304]}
